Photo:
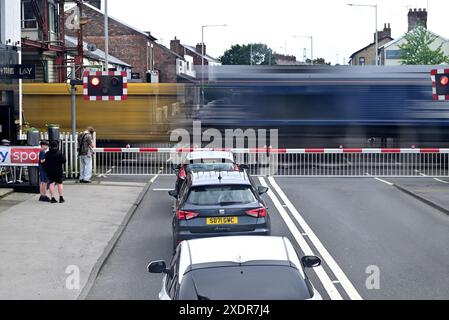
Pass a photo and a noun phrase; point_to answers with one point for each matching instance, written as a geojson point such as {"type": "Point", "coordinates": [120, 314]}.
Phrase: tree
{"type": "Point", "coordinates": [417, 51]}
{"type": "Point", "coordinates": [318, 61]}
{"type": "Point", "coordinates": [241, 55]}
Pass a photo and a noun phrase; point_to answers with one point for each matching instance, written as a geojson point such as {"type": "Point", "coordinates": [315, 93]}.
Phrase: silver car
{"type": "Point", "coordinates": [236, 268]}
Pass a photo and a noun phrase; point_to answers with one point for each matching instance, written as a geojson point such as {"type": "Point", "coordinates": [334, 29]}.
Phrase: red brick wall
{"type": "Point", "coordinates": [129, 46]}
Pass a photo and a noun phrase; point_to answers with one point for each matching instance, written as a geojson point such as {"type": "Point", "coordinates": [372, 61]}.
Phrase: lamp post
{"type": "Point", "coordinates": [311, 46]}
{"type": "Point", "coordinates": [106, 35]}
{"type": "Point", "coordinates": [202, 56]}
{"type": "Point", "coordinates": [375, 32]}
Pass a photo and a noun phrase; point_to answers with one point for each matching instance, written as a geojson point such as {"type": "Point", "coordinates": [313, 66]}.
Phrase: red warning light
{"type": "Point", "coordinates": [95, 81]}
{"type": "Point", "coordinates": [444, 80]}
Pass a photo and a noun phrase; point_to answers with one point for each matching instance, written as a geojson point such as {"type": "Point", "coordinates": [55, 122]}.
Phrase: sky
{"type": "Point", "coordinates": [337, 30]}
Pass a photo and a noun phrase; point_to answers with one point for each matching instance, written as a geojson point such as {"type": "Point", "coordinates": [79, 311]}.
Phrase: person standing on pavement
{"type": "Point", "coordinates": [42, 175]}
{"type": "Point", "coordinates": [54, 161]}
{"type": "Point", "coordinates": [86, 151]}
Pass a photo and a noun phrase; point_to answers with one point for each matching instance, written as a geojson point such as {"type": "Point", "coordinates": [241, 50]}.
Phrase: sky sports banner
{"type": "Point", "coordinates": [19, 156]}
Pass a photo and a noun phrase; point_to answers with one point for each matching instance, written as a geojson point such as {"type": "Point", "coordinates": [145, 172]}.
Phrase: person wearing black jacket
{"type": "Point", "coordinates": [54, 161]}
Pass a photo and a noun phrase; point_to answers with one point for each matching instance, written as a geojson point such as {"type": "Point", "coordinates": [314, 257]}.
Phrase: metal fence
{"type": "Point", "coordinates": [286, 162]}
{"type": "Point", "coordinates": [69, 148]}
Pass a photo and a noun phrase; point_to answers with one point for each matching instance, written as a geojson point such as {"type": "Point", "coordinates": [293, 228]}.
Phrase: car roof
{"type": "Point", "coordinates": [207, 178]}
{"type": "Point", "coordinates": [239, 249]}
{"type": "Point", "coordinates": [198, 155]}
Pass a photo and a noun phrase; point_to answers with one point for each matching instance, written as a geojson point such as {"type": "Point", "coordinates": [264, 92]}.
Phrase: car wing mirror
{"type": "Point", "coordinates": [262, 190]}
{"type": "Point", "coordinates": [173, 193]}
{"type": "Point", "coordinates": [310, 261]}
{"type": "Point", "coordinates": [157, 267]}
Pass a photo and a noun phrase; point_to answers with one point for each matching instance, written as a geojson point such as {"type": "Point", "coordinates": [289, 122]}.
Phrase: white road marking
{"type": "Point", "coordinates": [436, 179]}
{"type": "Point", "coordinates": [338, 272]}
{"type": "Point", "coordinates": [154, 178]}
{"type": "Point", "coordinates": [384, 181]}
{"type": "Point", "coordinates": [380, 180]}
{"type": "Point", "coordinates": [162, 189]}
{"type": "Point", "coordinates": [322, 275]}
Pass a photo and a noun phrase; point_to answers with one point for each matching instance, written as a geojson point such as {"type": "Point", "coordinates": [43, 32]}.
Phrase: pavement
{"type": "Point", "coordinates": [48, 251]}
{"type": "Point", "coordinates": [376, 242]}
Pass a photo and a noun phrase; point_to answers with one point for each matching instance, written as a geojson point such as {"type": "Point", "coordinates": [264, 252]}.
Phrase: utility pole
{"type": "Point", "coordinates": [376, 37]}
{"type": "Point", "coordinates": [311, 47]}
{"type": "Point", "coordinates": [106, 35]}
{"type": "Point", "coordinates": [251, 55]}
{"type": "Point", "coordinates": [73, 83]}
{"type": "Point", "coordinates": [202, 56]}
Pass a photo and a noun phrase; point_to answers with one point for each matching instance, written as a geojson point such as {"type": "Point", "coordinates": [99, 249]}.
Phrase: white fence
{"type": "Point", "coordinates": [286, 162]}
{"type": "Point", "coordinates": [69, 148]}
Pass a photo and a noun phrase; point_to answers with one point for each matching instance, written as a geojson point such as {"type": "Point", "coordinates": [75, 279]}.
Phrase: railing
{"type": "Point", "coordinates": [286, 162]}
{"type": "Point", "coordinates": [69, 148]}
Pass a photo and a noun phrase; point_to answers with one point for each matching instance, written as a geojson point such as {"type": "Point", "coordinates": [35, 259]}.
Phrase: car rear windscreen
{"type": "Point", "coordinates": [244, 283]}
{"type": "Point", "coordinates": [196, 167]}
{"type": "Point", "coordinates": [220, 195]}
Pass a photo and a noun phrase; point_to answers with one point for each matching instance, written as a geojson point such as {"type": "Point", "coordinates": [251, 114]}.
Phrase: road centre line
{"type": "Point", "coordinates": [338, 272]}
{"type": "Point", "coordinates": [322, 275]}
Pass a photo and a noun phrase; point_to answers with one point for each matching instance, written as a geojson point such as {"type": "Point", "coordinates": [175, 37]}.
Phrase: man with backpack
{"type": "Point", "coordinates": [85, 151]}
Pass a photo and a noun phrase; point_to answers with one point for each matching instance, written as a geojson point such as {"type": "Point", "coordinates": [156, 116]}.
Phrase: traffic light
{"type": "Point", "coordinates": [106, 86]}
{"type": "Point", "coordinates": [440, 80]}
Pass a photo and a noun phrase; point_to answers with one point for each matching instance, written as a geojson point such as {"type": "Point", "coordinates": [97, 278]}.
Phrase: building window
{"type": "Point", "coordinates": [362, 61]}
{"type": "Point", "coordinates": [393, 54]}
{"type": "Point", "coordinates": [28, 18]}
{"type": "Point", "coordinates": [52, 18]}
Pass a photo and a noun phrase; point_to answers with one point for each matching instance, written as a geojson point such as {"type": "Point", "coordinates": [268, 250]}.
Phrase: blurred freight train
{"type": "Point", "coordinates": [147, 116]}
{"type": "Point", "coordinates": [329, 106]}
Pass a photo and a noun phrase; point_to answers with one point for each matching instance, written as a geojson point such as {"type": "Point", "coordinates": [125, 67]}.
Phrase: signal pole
{"type": "Point", "coordinates": [73, 105]}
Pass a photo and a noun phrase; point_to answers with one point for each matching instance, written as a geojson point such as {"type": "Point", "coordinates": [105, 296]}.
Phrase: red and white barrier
{"type": "Point", "coordinates": [272, 150]}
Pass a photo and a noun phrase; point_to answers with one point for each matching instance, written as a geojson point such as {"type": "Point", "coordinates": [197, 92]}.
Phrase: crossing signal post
{"type": "Point", "coordinates": [440, 84]}
{"type": "Point", "coordinates": [105, 86]}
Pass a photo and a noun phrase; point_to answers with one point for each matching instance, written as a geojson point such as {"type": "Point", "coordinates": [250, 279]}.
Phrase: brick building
{"type": "Point", "coordinates": [390, 53]}
{"type": "Point", "coordinates": [131, 45]}
{"type": "Point", "coordinates": [195, 52]}
{"type": "Point", "coordinates": [367, 55]}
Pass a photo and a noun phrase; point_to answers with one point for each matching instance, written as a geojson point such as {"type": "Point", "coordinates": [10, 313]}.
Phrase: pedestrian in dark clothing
{"type": "Point", "coordinates": [54, 161]}
{"type": "Point", "coordinates": [42, 175]}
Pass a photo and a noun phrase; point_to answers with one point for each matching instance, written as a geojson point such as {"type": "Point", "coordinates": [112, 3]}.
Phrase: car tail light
{"type": "Point", "coordinates": [187, 215]}
{"type": "Point", "coordinates": [182, 173]}
{"type": "Point", "coordinates": [257, 213]}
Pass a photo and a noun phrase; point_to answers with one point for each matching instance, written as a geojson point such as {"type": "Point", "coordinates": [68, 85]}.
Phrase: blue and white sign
{"type": "Point", "coordinates": [5, 156]}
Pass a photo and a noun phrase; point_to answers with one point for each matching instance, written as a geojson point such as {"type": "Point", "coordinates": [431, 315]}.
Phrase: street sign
{"type": "Point", "coordinates": [440, 84]}
{"type": "Point", "coordinates": [105, 86]}
{"type": "Point", "coordinates": [17, 71]}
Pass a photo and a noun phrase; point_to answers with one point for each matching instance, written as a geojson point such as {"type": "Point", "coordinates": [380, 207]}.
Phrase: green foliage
{"type": "Point", "coordinates": [417, 51]}
{"type": "Point", "coordinates": [241, 55]}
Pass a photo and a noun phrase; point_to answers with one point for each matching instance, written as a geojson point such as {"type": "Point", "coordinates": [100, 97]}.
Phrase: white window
{"type": "Point", "coordinates": [52, 18]}
{"type": "Point", "coordinates": [28, 18]}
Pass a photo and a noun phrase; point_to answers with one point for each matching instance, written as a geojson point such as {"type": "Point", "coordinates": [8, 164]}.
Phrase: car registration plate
{"type": "Point", "coordinates": [222, 220]}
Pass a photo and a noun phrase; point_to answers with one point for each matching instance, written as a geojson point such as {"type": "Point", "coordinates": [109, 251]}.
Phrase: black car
{"type": "Point", "coordinates": [219, 203]}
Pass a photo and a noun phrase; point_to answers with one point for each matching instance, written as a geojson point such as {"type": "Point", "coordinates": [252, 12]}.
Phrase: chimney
{"type": "Point", "coordinates": [386, 32]}
{"type": "Point", "coordinates": [176, 47]}
{"type": "Point", "coordinates": [199, 48]}
{"type": "Point", "coordinates": [417, 17]}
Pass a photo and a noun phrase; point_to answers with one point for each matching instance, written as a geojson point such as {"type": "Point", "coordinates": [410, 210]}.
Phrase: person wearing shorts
{"type": "Point", "coordinates": [42, 175]}
{"type": "Point", "coordinates": [54, 162]}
